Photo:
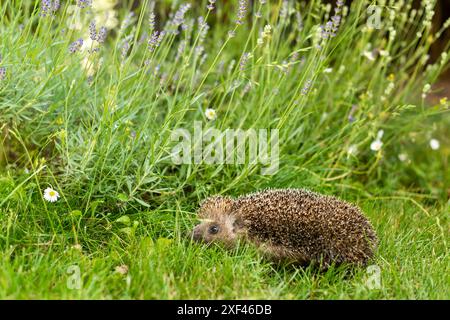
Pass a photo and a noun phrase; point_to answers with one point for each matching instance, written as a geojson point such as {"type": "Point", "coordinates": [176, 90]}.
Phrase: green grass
{"type": "Point", "coordinates": [412, 258]}
{"type": "Point", "coordinates": [101, 137]}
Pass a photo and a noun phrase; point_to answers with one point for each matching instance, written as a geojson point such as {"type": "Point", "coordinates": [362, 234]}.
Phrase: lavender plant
{"type": "Point", "coordinates": [329, 83]}
{"type": "Point", "coordinates": [91, 94]}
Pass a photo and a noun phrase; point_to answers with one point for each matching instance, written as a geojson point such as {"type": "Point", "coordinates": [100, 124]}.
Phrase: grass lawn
{"type": "Point", "coordinates": [98, 98]}
{"type": "Point", "coordinates": [39, 260]}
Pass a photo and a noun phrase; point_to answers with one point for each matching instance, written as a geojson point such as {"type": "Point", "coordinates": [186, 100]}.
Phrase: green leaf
{"type": "Point", "coordinates": [76, 213]}
{"type": "Point", "coordinates": [122, 197]}
{"type": "Point", "coordinates": [124, 219]}
{"type": "Point", "coordinates": [142, 202]}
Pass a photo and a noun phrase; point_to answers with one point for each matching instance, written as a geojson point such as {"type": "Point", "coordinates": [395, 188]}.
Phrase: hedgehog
{"type": "Point", "coordinates": [289, 225]}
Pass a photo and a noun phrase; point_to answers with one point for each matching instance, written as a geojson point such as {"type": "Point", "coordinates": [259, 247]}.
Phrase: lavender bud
{"type": "Point", "coordinates": [161, 37]}
{"type": "Point", "coordinates": [125, 48]}
{"type": "Point", "coordinates": [102, 35]}
{"type": "Point", "coordinates": [199, 50]}
{"type": "Point", "coordinates": [210, 6]}
{"type": "Point", "coordinates": [49, 7]}
{"type": "Point", "coordinates": [2, 73]}
{"type": "Point", "coordinates": [178, 19]}
{"type": "Point", "coordinates": [84, 3]}
{"type": "Point", "coordinates": [231, 66]}
{"type": "Point", "coordinates": [152, 21]}
{"type": "Point", "coordinates": [306, 87]}
{"type": "Point", "coordinates": [75, 46]}
{"type": "Point", "coordinates": [244, 61]}
{"type": "Point", "coordinates": [127, 21]}
{"type": "Point", "coordinates": [45, 7]}
{"type": "Point", "coordinates": [92, 30]}
{"type": "Point", "coordinates": [203, 29]}
{"type": "Point", "coordinates": [155, 40]}
{"type": "Point", "coordinates": [180, 49]}
{"type": "Point", "coordinates": [351, 118]}
{"type": "Point", "coordinates": [56, 5]}
{"type": "Point", "coordinates": [242, 11]}
{"type": "Point", "coordinates": [203, 59]}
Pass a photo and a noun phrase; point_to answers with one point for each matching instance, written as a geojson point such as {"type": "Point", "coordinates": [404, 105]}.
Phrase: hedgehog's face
{"type": "Point", "coordinates": [220, 231]}
{"type": "Point", "coordinates": [218, 223]}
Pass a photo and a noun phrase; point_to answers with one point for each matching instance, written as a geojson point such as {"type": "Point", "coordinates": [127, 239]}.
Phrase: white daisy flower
{"type": "Point", "coordinates": [435, 144]}
{"type": "Point", "coordinates": [426, 90]}
{"type": "Point", "coordinates": [352, 150]}
{"type": "Point", "coordinates": [210, 114]}
{"type": "Point", "coordinates": [369, 55]}
{"type": "Point", "coordinates": [402, 157]}
{"type": "Point", "coordinates": [376, 145]}
{"type": "Point", "coordinates": [384, 53]}
{"type": "Point", "coordinates": [51, 195]}
{"type": "Point", "coordinates": [380, 134]}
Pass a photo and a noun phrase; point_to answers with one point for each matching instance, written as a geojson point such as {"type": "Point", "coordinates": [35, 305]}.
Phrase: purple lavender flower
{"type": "Point", "coordinates": [336, 19]}
{"type": "Point", "coordinates": [49, 7]}
{"type": "Point", "coordinates": [56, 5]}
{"type": "Point", "coordinates": [332, 26]}
{"type": "Point", "coordinates": [2, 73]}
{"type": "Point", "coordinates": [92, 30]}
{"type": "Point", "coordinates": [45, 7]}
{"type": "Point", "coordinates": [292, 59]}
{"type": "Point", "coordinates": [306, 87]}
{"type": "Point", "coordinates": [203, 29]}
{"type": "Point", "coordinates": [178, 19]}
{"type": "Point", "coordinates": [244, 61]}
{"type": "Point", "coordinates": [210, 6]}
{"type": "Point", "coordinates": [152, 21]}
{"type": "Point", "coordinates": [351, 118]}
{"type": "Point", "coordinates": [76, 45]}
{"type": "Point", "coordinates": [180, 49]}
{"type": "Point", "coordinates": [102, 33]}
{"type": "Point", "coordinates": [155, 40]}
{"type": "Point", "coordinates": [242, 11]}
{"type": "Point", "coordinates": [84, 3]}
{"type": "Point", "coordinates": [125, 48]}
{"type": "Point", "coordinates": [161, 37]}
{"type": "Point", "coordinates": [127, 21]}
{"type": "Point", "coordinates": [199, 50]}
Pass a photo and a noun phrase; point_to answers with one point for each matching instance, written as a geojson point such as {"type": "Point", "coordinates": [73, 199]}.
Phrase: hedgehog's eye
{"type": "Point", "coordinates": [213, 229]}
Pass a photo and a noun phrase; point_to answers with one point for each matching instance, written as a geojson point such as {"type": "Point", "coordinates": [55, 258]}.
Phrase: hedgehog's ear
{"type": "Point", "coordinates": [215, 206]}
{"type": "Point", "coordinates": [238, 224]}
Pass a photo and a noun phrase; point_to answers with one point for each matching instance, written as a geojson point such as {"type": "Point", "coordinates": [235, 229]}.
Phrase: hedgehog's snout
{"type": "Point", "coordinates": [197, 234]}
